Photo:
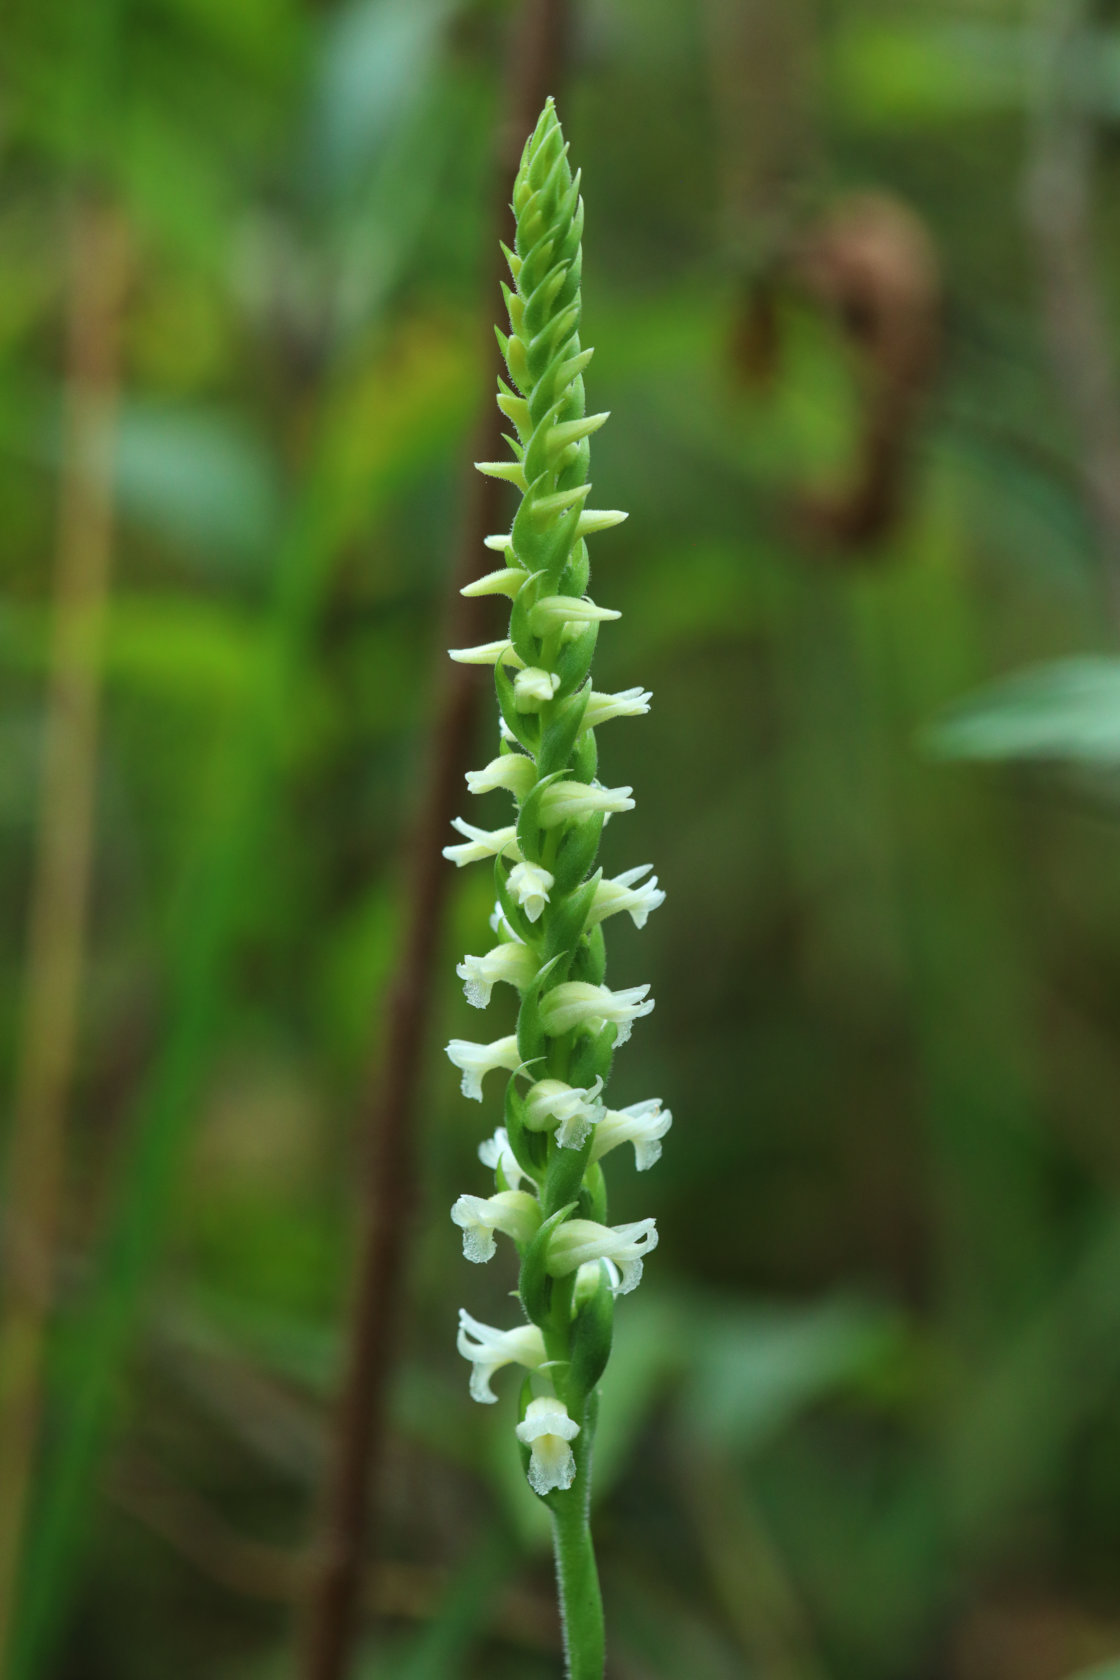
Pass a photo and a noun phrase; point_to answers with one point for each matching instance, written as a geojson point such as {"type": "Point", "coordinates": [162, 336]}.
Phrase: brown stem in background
{"type": "Point", "coordinates": [350, 1493]}
{"type": "Point", "coordinates": [762, 67]}
{"type": "Point", "coordinates": [868, 259]}
{"type": "Point", "coordinates": [870, 262]}
{"type": "Point", "coordinates": [60, 887]}
{"type": "Point", "coordinates": [1057, 200]}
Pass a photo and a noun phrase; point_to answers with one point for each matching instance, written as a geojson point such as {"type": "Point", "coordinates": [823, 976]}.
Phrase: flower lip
{"type": "Point", "coordinates": [547, 1430]}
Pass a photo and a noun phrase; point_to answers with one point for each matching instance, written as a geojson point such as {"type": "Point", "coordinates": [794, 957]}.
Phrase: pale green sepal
{"type": "Point", "coordinates": [595, 519]}
{"type": "Point", "coordinates": [506, 582]}
{"type": "Point", "coordinates": [511, 471]}
{"type": "Point", "coordinates": [571, 431]}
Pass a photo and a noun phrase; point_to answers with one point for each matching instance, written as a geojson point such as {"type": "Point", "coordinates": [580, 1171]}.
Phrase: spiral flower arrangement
{"type": "Point", "coordinates": [551, 904]}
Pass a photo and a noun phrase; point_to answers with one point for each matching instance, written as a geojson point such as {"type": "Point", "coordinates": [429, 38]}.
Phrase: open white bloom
{"type": "Point", "coordinates": [623, 893]}
{"type": "Point", "coordinates": [486, 653]}
{"type": "Point", "coordinates": [530, 885]}
{"type": "Point", "coordinates": [513, 1211]}
{"type": "Point", "coordinates": [547, 1429]}
{"type": "Point", "coordinates": [570, 1110]}
{"type": "Point", "coordinates": [489, 1349]}
{"type": "Point", "coordinates": [577, 1241]}
{"type": "Point", "coordinates": [512, 771]}
{"type": "Point", "coordinates": [628, 702]}
{"type": "Point", "coordinates": [475, 1061]}
{"type": "Point", "coordinates": [577, 1003]}
{"type": "Point", "coordinates": [496, 1153]}
{"type": "Point", "coordinates": [572, 801]}
{"type": "Point", "coordinates": [643, 1124]}
{"type": "Point", "coordinates": [481, 843]}
{"type": "Point", "coordinates": [560, 611]}
{"type": "Point", "coordinates": [512, 962]}
{"type": "Point", "coordinates": [533, 687]}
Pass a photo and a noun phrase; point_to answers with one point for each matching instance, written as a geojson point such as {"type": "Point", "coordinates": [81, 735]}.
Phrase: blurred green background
{"type": "Point", "coordinates": [863, 1421]}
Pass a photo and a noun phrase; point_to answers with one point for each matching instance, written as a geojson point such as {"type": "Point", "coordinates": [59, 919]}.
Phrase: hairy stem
{"type": "Point", "coordinates": [577, 1576]}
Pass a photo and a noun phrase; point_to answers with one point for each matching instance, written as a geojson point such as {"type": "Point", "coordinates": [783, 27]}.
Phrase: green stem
{"type": "Point", "coordinates": [581, 1602]}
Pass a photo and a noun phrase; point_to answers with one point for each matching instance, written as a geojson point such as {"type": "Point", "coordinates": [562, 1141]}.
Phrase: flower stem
{"type": "Point", "coordinates": [581, 1602]}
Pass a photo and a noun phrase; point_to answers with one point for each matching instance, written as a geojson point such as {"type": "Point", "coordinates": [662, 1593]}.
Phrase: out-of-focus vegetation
{"type": "Point", "coordinates": [863, 1420]}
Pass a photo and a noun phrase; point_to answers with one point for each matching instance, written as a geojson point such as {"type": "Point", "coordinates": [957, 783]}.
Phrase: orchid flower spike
{"type": "Point", "coordinates": [556, 1131]}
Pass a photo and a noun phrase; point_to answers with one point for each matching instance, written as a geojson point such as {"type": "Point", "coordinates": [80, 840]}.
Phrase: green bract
{"type": "Point", "coordinates": [550, 1198]}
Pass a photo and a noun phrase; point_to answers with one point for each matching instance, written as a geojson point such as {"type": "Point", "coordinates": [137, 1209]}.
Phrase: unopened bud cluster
{"type": "Point", "coordinates": [550, 1198]}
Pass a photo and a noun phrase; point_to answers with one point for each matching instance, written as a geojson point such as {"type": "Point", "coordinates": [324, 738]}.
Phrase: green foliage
{"type": "Point", "coordinates": [1069, 712]}
{"type": "Point", "coordinates": [550, 897]}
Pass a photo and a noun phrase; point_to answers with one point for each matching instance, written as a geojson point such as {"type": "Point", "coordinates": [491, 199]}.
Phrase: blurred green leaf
{"type": "Point", "coordinates": [198, 479]}
{"type": "Point", "coordinates": [754, 1369]}
{"type": "Point", "coordinates": [914, 69]}
{"type": "Point", "coordinates": [175, 647]}
{"type": "Point", "coordinates": [939, 68]}
{"type": "Point", "coordinates": [650, 1349]}
{"type": "Point", "coordinates": [1066, 711]}
{"type": "Point", "coordinates": [377, 56]}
